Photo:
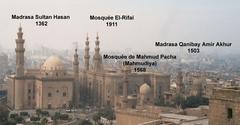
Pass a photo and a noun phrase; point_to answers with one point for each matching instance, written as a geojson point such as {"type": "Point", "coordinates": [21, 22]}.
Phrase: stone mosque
{"type": "Point", "coordinates": [52, 86]}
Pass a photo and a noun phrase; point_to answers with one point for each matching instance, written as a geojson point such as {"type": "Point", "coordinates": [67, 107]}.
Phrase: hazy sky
{"type": "Point", "coordinates": [155, 20]}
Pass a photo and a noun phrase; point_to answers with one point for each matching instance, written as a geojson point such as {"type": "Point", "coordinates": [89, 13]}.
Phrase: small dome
{"type": "Point", "coordinates": [53, 63]}
{"type": "Point", "coordinates": [145, 89]}
{"type": "Point", "coordinates": [173, 85]}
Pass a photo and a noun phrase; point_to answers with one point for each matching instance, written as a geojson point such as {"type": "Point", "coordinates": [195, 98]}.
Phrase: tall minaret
{"type": "Point", "coordinates": [76, 66]}
{"type": "Point", "coordinates": [20, 53]}
{"type": "Point", "coordinates": [76, 84]}
{"type": "Point", "coordinates": [19, 80]}
{"type": "Point", "coordinates": [125, 83]}
{"type": "Point", "coordinates": [126, 71]}
{"type": "Point", "coordinates": [97, 59]}
{"type": "Point", "coordinates": [86, 56]}
{"type": "Point", "coordinates": [180, 85]}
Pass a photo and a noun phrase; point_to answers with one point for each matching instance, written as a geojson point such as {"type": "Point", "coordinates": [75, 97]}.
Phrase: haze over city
{"type": "Point", "coordinates": [155, 21]}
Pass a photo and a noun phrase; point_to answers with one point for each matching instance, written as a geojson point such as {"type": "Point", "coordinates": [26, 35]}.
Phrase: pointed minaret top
{"type": "Point", "coordinates": [87, 37]}
{"type": "Point", "coordinates": [76, 57]}
{"type": "Point", "coordinates": [97, 36]}
{"type": "Point", "coordinates": [87, 42]}
{"type": "Point", "coordinates": [76, 50]}
{"type": "Point", "coordinates": [20, 27]}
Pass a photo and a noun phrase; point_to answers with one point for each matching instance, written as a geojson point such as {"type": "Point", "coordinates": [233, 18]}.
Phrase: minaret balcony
{"type": "Point", "coordinates": [20, 50]}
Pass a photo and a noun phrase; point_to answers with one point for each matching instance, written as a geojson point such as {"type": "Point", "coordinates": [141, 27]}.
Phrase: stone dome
{"type": "Point", "coordinates": [53, 63]}
{"type": "Point", "coordinates": [145, 89]}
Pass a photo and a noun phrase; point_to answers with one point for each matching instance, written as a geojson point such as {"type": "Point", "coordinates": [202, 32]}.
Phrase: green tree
{"type": "Point", "coordinates": [160, 102]}
{"type": "Point", "coordinates": [192, 102]}
{"type": "Point", "coordinates": [56, 117]}
{"type": "Point", "coordinates": [3, 114]}
{"type": "Point", "coordinates": [10, 122]}
{"type": "Point", "coordinates": [107, 113]}
{"type": "Point", "coordinates": [44, 121]}
{"type": "Point", "coordinates": [44, 113]}
{"type": "Point", "coordinates": [204, 101]}
{"type": "Point", "coordinates": [19, 119]}
{"type": "Point", "coordinates": [23, 114]}
{"type": "Point", "coordinates": [195, 101]}
{"type": "Point", "coordinates": [96, 118]}
{"type": "Point", "coordinates": [85, 122]}
{"type": "Point", "coordinates": [179, 100]}
{"type": "Point", "coordinates": [55, 122]}
{"type": "Point", "coordinates": [71, 105]}
{"type": "Point", "coordinates": [38, 112]}
{"type": "Point", "coordinates": [33, 118]}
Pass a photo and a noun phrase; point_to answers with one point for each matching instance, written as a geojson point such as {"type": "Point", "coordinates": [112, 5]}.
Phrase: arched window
{"type": "Point", "coordinates": [49, 106]}
{"type": "Point", "coordinates": [64, 94]}
{"type": "Point", "coordinates": [49, 94]}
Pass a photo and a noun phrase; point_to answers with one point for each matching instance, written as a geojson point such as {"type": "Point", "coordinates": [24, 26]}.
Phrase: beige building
{"type": "Point", "coordinates": [224, 106]}
{"type": "Point", "coordinates": [50, 86]}
{"type": "Point", "coordinates": [101, 86]}
{"type": "Point", "coordinates": [155, 117]}
{"type": "Point", "coordinates": [3, 63]}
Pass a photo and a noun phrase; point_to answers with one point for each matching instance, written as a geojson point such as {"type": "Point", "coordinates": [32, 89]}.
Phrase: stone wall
{"type": "Point", "coordinates": [224, 107]}
{"type": "Point", "coordinates": [134, 117]}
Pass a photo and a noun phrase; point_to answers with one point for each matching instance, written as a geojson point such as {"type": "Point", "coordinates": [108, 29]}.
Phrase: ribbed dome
{"type": "Point", "coordinates": [53, 63]}
{"type": "Point", "coordinates": [145, 89]}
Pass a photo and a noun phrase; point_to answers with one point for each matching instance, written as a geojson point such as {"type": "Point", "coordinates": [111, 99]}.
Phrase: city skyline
{"type": "Point", "coordinates": [154, 21]}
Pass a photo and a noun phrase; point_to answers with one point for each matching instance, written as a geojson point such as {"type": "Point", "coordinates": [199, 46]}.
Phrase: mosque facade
{"type": "Point", "coordinates": [53, 86]}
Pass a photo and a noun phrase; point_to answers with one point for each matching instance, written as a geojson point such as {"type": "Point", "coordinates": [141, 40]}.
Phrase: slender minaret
{"type": "Point", "coordinates": [76, 78]}
{"type": "Point", "coordinates": [19, 80]}
{"type": "Point", "coordinates": [125, 83]}
{"type": "Point", "coordinates": [126, 71]}
{"type": "Point", "coordinates": [86, 56]}
{"type": "Point", "coordinates": [97, 58]}
{"type": "Point", "coordinates": [84, 84]}
{"type": "Point", "coordinates": [180, 85]}
{"type": "Point", "coordinates": [20, 53]}
{"type": "Point", "coordinates": [76, 66]}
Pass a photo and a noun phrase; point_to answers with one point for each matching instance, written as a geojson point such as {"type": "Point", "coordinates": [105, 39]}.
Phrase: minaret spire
{"type": "Point", "coordinates": [97, 49]}
{"type": "Point", "coordinates": [76, 62]}
{"type": "Point", "coordinates": [97, 59]}
{"type": "Point", "coordinates": [76, 66]}
{"type": "Point", "coordinates": [76, 84]}
{"type": "Point", "coordinates": [97, 37]}
{"type": "Point", "coordinates": [180, 85]}
{"type": "Point", "coordinates": [126, 71]}
{"type": "Point", "coordinates": [86, 55]}
{"type": "Point", "coordinates": [19, 81]}
{"type": "Point", "coordinates": [20, 53]}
